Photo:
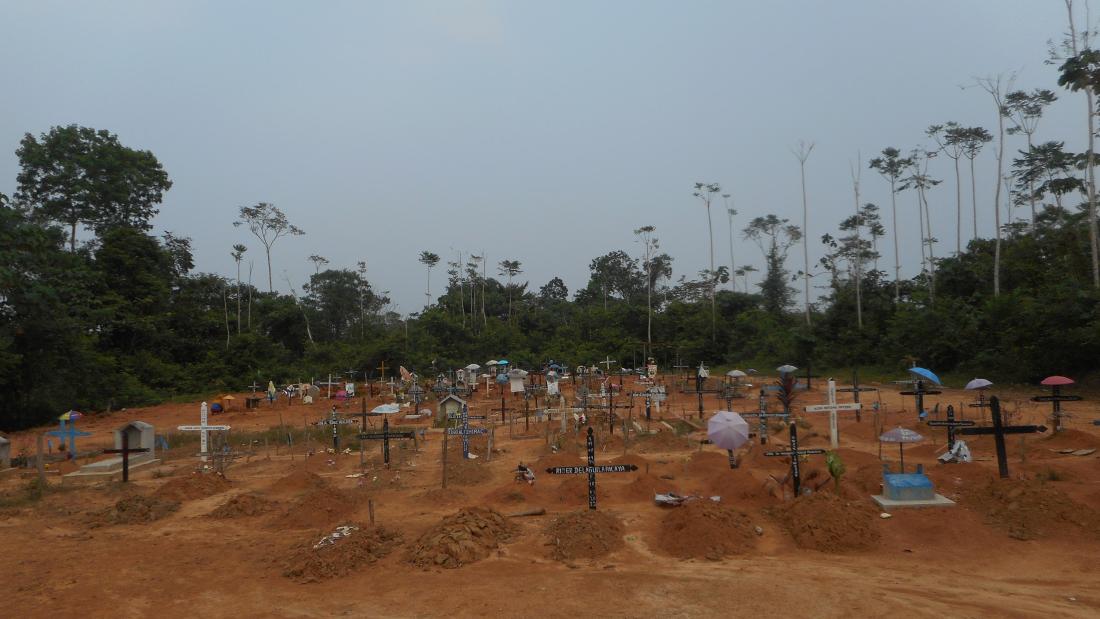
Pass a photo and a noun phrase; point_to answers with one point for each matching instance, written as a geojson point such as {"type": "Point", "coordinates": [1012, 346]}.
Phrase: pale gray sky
{"type": "Point", "coordinates": [543, 132]}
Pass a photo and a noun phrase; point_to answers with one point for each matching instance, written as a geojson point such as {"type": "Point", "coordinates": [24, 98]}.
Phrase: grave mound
{"type": "Point", "coordinates": [1069, 438]}
{"type": "Point", "coordinates": [362, 546]}
{"type": "Point", "coordinates": [300, 480]}
{"type": "Point", "coordinates": [703, 529]}
{"type": "Point", "coordinates": [467, 473]}
{"type": "Point", "coordinates": [643, 487]}
{"type": "Point", "coordinates": [574, 489]}
{"type": "Point", "coordinates": [464, 537]}
{"type": "Point", "coordinates": [244, 506]}
{"type": "Point", "coordinates": [584, 534]}
{"type": "Point", "coordinates": [136, 509]}
{"type": "Point", "coordinates": [193, 486]}
{"type": "Point", "coordinates": [736, 485]}
{"type": "Point", "coordinates": [441, 495]}
{"type": "Point", "coordinates": [829, 523]}
{"type": "Point", "coordinates": [666, 440]}
{"type": "Point", "coordinates": [1028, 509]}
{"type": "Point", "coordinates": [322, 507]}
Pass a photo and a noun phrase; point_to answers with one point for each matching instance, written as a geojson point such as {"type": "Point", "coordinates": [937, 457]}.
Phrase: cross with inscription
{"type": "Point", "coordinates": [919, 392]}
{"type": "Point", "coordinates": [203, 429]}
{"type": "Point", "coordinates": [855, 390]}
{"type": "Point", "coordinates": [999, 430]}
{"type": "Point", "coordinates": [335, 421]}
{"type": "Point", "coordinates": [763, 415]}
{"type": "Point", "coordinates": [385, 435]}
{"type": "Point", "coordinates": [1056, 398]}
{"type": "Point", "coordinates": [591, 470]}
{"type": "Point", "coordinates": [125, 451]}
{"type": "Point", "coordinates": [951, 424]}
{"type": "Point", "coordinates": [832, 407]}
{"type": "Point", "coordinates": [795, 453]}
{"type": "Point", "coordinates": [465, 431]}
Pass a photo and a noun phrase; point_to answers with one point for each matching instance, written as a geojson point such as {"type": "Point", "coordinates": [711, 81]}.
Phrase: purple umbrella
{"type": "Point", "coordinates": [901, 436]}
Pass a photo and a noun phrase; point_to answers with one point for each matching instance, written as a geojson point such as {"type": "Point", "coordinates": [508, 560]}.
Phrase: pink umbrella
{"type": "Point", "coordinates": [1052, 381]}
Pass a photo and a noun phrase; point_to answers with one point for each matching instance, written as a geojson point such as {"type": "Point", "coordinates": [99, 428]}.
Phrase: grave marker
{"type": "Point", "coordinates": [951, 424]}
{"type": "Point", "coordinates": [763, 415]}
{"type": "Point", "coordinates": [1056, 398]}
{"type": "Point", "coordinates": [919, 392]}
{"type": "Point", "coordinates": [832, 407]}
{"type": "Point", "coordinates": [999, 431]}
{"type": "Point", "coordinates": [334, 421]}
{"type": "Point", "coordinates": [465, 431]}
{"type": "Point", "coordinates": [385, 435]}
{"type": "Point", "coordinates": [795, 453]}
{"type": "Point", "coordinates": [126, 451]}
{"type": "Point", "coordinates": [855, 390]}
{"type": "Point", "coordinates": [591, 470]}
{"type": "Point", "coordinates": [69, 433]}
{"type": "Point", "coordinates": [203, 429]}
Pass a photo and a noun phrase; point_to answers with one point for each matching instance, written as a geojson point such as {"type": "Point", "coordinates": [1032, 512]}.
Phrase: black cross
{"type": "Point", "coordinates": [1056, 398]}
{"type": "Point", "coordinates": [951, 424]}
{"type": "Point", "coordinates": [855, 390]}
{"type": "Point", "coordinates": [591, 470]}
{"type": "Point", "coordinates": [999, 431]}
{"type": "Point", "coordinates": [335, 422]}
{"type": "Point", "coordinates": [763, 415]}
{"type": "Point", "coordinates": [981, 403]}
{"type": "Point", "coordinates": [919, 392]}
{"type": "Point", "coordinates": [795, 453]}
{"type": "Point", "coordinates": [465, 431]}
{"type": "Point", "coordinates": [385, 435]}
{"type": "Point", "coordinates": [126, 451]}
{"type": "Point", "coordinates": [648, 402]}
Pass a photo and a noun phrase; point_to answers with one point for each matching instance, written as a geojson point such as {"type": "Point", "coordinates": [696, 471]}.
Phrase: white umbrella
{"type": "Point", "coordinates": [727, 430]}
{"type": "Point", "coordinates": [786, 369]}
{"type": "Point", "coordinates": [491, 362]}
{"type": "Point", "coordinates": [473, 367]}
{"type": "Point", "coordinates": [978, 383]}
{"type": "Point", "coordinates": [736, 374]}
{"type": "Point", "coordinates": [386, 409]}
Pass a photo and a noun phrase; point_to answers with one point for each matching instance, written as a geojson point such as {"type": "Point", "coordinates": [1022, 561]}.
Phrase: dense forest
{"type": "Point", "coordinates": [119, 318]}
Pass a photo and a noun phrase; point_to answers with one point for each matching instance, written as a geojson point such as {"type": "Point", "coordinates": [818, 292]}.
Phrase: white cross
{"type": "Point", "coordinates": [203, 429]}
{"type": "Point", "coordinates": [832, 407]}
{"type": "Point", "coordinates": [607, 363]}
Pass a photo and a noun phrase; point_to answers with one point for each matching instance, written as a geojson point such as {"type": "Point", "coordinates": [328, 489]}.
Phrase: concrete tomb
{"type": "Point", "coordinates": [908, 490]}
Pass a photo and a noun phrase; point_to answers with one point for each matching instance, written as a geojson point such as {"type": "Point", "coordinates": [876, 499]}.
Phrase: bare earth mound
{"type": "Point", "coordinates": [194, 486]}
{"type": "Point", "coordinates": [466, 473]}
{"type": "Point", "coordinates": [242, 506]}
{"type": "Point", "coordinates": [300, 480]}
{"type": "Point", "coordinates": [826, 522]}
{"type": "Point", "coordinates": [1029, 509]}
{"type": "Point", "coordinates": [703, 529]}
{"type": "Point", "coordinates": [137, 509]}
{"type": "Point", "coordinates": [585, 534]}
{"type": "Point", "coordinates": [466, 536]}
{"type": "Point", "coordinates": [321, 507]}
{"type": "Point", "coordinates": [363, 546]}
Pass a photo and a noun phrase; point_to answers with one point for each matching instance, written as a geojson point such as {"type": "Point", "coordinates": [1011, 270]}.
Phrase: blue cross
{"type": "Point", "coordinates": [71, 433]}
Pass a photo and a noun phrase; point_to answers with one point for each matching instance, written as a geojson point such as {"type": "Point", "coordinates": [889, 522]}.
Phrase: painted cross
{"type": "Point", "coordinates": [951, 424]}
{"type": "Point", "coordinates": [334, 421]}
{"type": "Point", "coordinates": [69, 432]}
{"type": "Point", "coordinates": [855, 390]}
{"type": "Point", "coordinates": [465, 431]}
{"type": "Point", "coordinates": [1056, 398]}
{"type": "Point", "coordinates": [999, 431]}
{"type": "Point", "coordinates": [607, 364]}
{"type": "Point", "coordinates": [763, 415]}
{"type": "Point", "coordinates": [832, 407]}
{"type": "Point", "coordinates": [385, 435]}
{"type": "Point", "coordinates": [919, 392]}
{"type": "Point", "coordinates": [591, 470]}
{"type": "Point", "coordinates": [125, 451]}
{"type": "Point", "coordinates": [795, 453]}
{"type": "Point", "coordinates": [203, 429]}
{"type": "Point", "coordinates": [382, 371]}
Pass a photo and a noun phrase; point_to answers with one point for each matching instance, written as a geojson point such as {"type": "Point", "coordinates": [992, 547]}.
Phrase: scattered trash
{"type": "Point", "coordinates": [885, 516]}
{"type": "Point", "coordinates": [340, 532]}
{"type": "Point", "coordinates": [758, 530]}
{"type": "Point", "coordinates": [674, 500]}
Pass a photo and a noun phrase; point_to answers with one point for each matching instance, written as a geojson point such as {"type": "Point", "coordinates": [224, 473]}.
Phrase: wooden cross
{"type": "Point", "coordinates": [254, 386]}
{"type": "Point", "coordinates": [591, 470]}
{"type": "Point", "coordinates": [382, 371]}
{"type": "Point", "coordinates": [951, 424]}
{"type": "Point", "coordinates": [465, 431]}
{"type": "Point", "coordinates": [203, 429]}
{"type": "Point", "coordinates": [832, 407]}
{"type": "Point", "coordinates": [999, 431]}
{"type": "Point", "coordinates": [763, 416]}
{"type": "Point", "coordinates": [126, 451]}
{"type": "Point", "coordinates": [855, 390]}
{"type": "Point", "coordinates": [795, 453]}
{"type": "Point", "coordinates": [385, 435]}
{"type": "Point", "coordinates": [607, 364]}
{"type": "Point", "coordinates": [919, 392]}
{"type": "Point", "coordinates": [1056, 398]}
{"type": "Point", "coordinates": [335, 421]}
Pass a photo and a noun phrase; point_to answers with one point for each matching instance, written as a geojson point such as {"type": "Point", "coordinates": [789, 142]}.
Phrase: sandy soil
{"type": "Point", "coordinates": [172, 546]}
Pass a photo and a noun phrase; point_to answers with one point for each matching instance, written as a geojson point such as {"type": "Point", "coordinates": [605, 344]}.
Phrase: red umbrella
{"type": "Point", "coordinates": [1052, 381]}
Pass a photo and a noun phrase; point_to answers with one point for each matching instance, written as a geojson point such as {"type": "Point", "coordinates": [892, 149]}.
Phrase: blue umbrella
{"type": "Point", "coordinates": [925, 373]}
{"type": "Point", "coordinates": [502, 362]}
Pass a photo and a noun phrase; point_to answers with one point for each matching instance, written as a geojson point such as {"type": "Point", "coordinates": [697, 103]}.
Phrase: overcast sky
{"type": "Point", "coordinates": [538, 131]}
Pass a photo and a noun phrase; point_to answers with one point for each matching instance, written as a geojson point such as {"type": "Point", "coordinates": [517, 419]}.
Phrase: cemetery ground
{"type": "Point", "coordinates": [174, 543]}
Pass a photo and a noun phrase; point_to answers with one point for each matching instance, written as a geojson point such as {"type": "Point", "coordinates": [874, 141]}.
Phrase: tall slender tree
{"type": "Point", "coordinates": [802, 153]}
{"type": "Point", "coordinates": [268, 224]}
{"type": "Point", "coordinates": [1025, 109]}
{"type": "Point", "coordinates": [429, 260]}
{"type": "Point", "coordinates": [891, 165]}
{"type": "Point", "coordinates": [318, 262]}
{"type": "Point", "coordinates": [951, 141]}
{"type": "Point", "coordinates": [650, 244]}
{"type": "Point", "coordinates": [705, 192]}
{"type": "Point", "coordinates": [238, 255]}
{"type": "Point", "coordinates": [510, 268]}
{"type": "Point", "coordinates": [973, 140]}
{"type": "Point", "coordinates": [856, 171]}
{"type": "Point", "coordinates": [730, 214]}
{"type": "Point", "coordinates": [997, 86]}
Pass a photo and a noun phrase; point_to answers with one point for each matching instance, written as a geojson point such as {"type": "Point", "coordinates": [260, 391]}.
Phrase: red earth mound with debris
{"type": "Point", "coordinates": [362, 546]}
{"type": "Point", "coordinates": [584, 534]}
{"type": "Point", "coordinates": [1030, 509]}
{"type": "Point", "coordinates": [299, 480]}
{"type": "Point", "coordinates": [193, 486]}
{"type": "Point", "coordinates": [827, 522]}
{"type": "Point", "coordinates": [243, 506]}
{"type": "Point", "coordinates": [466, 536]}
{"type": "Point", "coordinates": [320, 508]}
{"type": "Point", "coordinates": [136, 509]}
{"type": "Point", "coordinates": [703, 529]}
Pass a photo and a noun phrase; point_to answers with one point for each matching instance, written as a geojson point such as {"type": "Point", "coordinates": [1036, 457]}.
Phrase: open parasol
{"type": "Point", "coordinates": [786, 369]}
{"type": "Point", "coordinates": [926, 374]}
{"type": "Point", "coordinates": [71, 416]}
{"type": "Point", "coordinates": [736, 374]}
{"type": "Point", "coordinates": [728, 430]}
{"type": "Point", "coordinates": [978, 383]}
{"type": "Point", "coordinates": [473, 367]}
{"type": "Point", "coordinates": [901, 436]}
{"type": "Point", "coordinates": [386, 409]}
{"type": "Point", "coordinates": [1056, 381]}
